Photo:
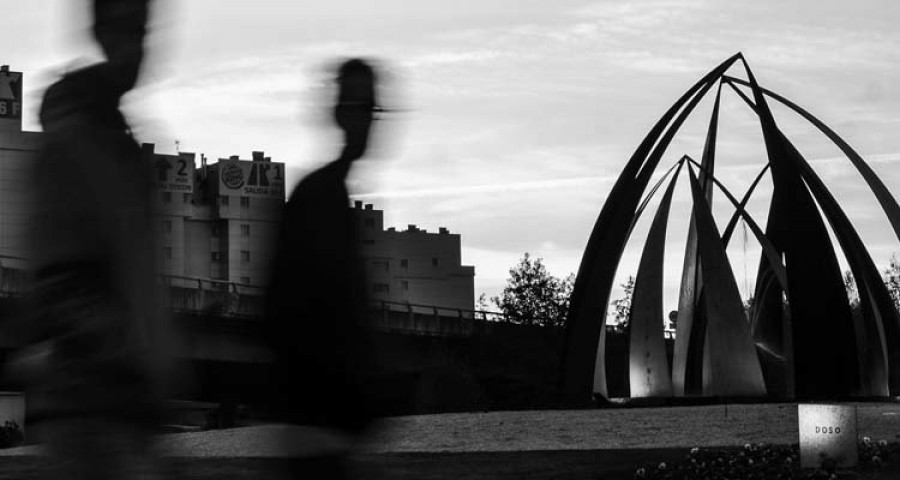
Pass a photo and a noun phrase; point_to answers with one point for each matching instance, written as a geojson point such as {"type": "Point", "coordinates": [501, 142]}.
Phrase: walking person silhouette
{"type": "Point", "coordinates": [317, 296]}
{"type": "Point", "coordinates": [96, 316]}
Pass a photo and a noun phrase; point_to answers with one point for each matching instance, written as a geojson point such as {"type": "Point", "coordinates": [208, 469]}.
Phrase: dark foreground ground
{"type": "Point", "coordinates": [424, 466]}
{"type": "Point", "coordinates": [563, 444]}
{"type": "Point", "coordinates": [571, 464]}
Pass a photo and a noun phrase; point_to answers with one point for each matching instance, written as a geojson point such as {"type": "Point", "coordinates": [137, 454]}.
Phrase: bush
{"type": "Point", "coordinates": [11, 435]}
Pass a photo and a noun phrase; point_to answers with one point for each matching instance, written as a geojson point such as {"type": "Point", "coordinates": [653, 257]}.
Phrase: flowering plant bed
{"type": "Point", "coordinates": [762, 461]}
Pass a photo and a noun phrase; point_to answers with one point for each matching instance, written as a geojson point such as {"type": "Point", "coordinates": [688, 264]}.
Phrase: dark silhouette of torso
{"type": "Point", "coordinates": [93, 256]}
{"type": "Point", "coordinates": [316, 304]}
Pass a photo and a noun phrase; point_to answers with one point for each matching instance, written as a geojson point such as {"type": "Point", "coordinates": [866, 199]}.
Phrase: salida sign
{"type": "Point", "coordinates": [251, 179]}
{"type": "Point", "coordinates": [10, 94]}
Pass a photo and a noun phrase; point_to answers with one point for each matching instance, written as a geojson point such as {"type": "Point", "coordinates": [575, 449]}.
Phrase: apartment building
{"type": "Point", "coordinates": [413, 266]}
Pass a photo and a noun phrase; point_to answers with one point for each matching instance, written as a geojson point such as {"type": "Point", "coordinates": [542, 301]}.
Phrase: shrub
{"type": "Point", "coordinates": [10, 435]}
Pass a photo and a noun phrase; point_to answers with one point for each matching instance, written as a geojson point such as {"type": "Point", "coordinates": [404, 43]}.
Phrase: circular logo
{"type": "Point", "coordinates": [233, 176]}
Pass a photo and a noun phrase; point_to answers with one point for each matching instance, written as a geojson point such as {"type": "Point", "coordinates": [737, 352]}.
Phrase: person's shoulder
{"type": "Point", "coordinates": [323, 180]}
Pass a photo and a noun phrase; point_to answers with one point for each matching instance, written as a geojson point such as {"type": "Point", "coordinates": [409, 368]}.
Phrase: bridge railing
{"type": "Point", "coordinates": [438, 310]}
{"type": "Point", "coordinates": [420, 319]}
{"type": "Point", "coordinates": [242, 301]}
{"type": "Point", "coordinates": [195, 295]}
{"type": "Point", "coordinates": [215, 297]}
{"type": "Point", "coordinates": [423, 319]}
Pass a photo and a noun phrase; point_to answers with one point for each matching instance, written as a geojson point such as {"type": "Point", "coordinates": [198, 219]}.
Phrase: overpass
{"type": "Point", "coordinates": [427, 358]}
{"type": "Point", "coordinates": [222, 321]}
{"type": "Point", "coordinates": [220, 354]}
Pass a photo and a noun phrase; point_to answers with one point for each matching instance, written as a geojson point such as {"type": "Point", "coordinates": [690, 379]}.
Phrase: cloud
{"type": "Point", "coordinates": [494, 188]}
{"type": "Point", "coordinates": [439, 58]}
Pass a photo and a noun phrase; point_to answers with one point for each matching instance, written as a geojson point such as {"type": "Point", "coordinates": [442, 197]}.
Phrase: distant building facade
{"type": "Point", "coordinates": [218, 223]}
{"type": "Point", "coordinates": [18, 149]}
{"type": "Point", "coordinates": [413, 266]}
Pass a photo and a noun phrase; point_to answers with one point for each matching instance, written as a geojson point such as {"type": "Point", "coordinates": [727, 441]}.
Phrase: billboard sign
{"type": "Point", "coordinates": [174, 174]}
{"type": "Point", "coordinates": [10, 94]}
{"type": "Point", "coordinates": [251, 179]}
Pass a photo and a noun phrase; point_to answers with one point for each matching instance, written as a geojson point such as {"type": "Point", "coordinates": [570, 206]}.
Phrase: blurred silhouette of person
{"type": "Point", "coordinates": [96, 310]}
{"type": "Point", "coordinates": [317, 297]}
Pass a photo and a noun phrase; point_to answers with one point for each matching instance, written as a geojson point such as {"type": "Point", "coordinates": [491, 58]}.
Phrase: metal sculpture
{"type": "Point", "coordinates": [648, 367]}
{"type": "Point", "coordinates": [802, 338]}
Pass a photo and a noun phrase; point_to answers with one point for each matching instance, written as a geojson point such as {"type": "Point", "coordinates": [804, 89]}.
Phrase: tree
{"type": "Point", "coordinates": [482, 303]}
{"type": "Point", "coordinates": [890, 276]}
{"type": "Point", "coordinates": [483, 310]}
{"type": "Point", "coordinates": [892, 280]}
{"type": "Point", "coordinates": [850, 286]}
{"type": "Point", "coordinates": [623, 305]}
{"type": "Point", "coordinates": [534, 297]}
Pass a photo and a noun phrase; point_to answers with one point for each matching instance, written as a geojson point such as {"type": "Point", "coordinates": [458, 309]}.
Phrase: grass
{"type": "Point", "coordinates": [615, 428]}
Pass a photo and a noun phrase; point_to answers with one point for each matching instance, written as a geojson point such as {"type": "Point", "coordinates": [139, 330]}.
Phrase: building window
{"type": "Point", "coordinates": [404, 263]}
{"type": "Point", "coordinates": [381, 288]}
{"type": "Point", "coordinates": [167, 197]}
{"type": "Point", "coordinates": [434, 261]}
{"type": "Point", "coordinates": [245, 201]}
{"type": "Point", "coordinates": [187, 197]}
{"type": "Point", "coordinates": [167, 226]}
{"type": "Point", "coordinates": [216, 256]}
{"type": "Point", "coordinates": [405, 285]}
{"type": "Point", "coordinates": [245, 230]}
{"type": "Point", "coordinates": [223, 200]}
{"type": "Point", "coordinates": [245, 280]}
{"type": "Point", "coordinates": [370, 223]}
{"type": "Point", "coordinates": [167, 253]}
{"type": "Point", "coordinates": [245, 255]}
{"type": "Point", "coordinates": [382, 264]}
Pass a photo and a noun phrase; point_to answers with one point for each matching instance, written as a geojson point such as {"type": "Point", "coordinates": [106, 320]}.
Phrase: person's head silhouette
{"type": "Point", "coordinates": [356, 106]}
{"type": "Point", "coordinates": [119, 28]}
{"type": "Point", "coordinates": [92, 94]}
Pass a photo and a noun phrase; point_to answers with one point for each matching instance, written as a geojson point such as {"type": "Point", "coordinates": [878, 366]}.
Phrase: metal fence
{"type": "Point", "coordinates": [236, 300]}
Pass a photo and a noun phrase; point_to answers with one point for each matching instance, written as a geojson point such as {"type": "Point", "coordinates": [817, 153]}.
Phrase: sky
{"type": "Point", "coordinates": [514, 116]}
